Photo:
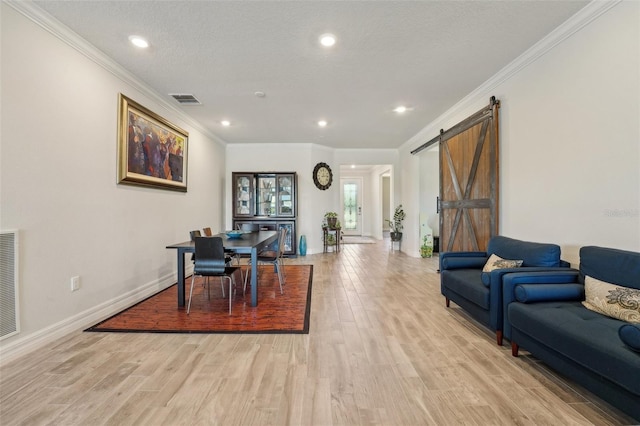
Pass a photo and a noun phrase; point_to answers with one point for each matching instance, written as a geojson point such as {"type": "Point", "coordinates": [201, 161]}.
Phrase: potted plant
{"type": "Point", "coordinates": [426, 249]}
{"type": "Point", "coordinates": [396, 223]}
{"type": "Point", "coordinates": [331, 218]}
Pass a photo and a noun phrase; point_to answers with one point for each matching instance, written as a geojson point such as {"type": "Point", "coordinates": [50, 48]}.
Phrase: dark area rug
{"type": "Point", "coordinates": [275, 313]}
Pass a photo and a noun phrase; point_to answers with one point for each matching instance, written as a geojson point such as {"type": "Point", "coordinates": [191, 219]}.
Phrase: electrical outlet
{"type": "Point", "coordinates": [75, 283]}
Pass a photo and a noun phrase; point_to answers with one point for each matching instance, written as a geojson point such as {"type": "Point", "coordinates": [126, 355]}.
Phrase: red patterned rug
{"type": "Point", "coordinates": [275, 313]}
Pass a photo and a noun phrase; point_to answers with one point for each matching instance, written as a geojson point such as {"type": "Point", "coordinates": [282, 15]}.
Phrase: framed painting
{"type": "Point", "coordinates": [152, 152]}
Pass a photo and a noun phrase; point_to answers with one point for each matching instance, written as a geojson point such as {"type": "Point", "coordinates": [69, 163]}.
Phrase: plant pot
{"type": "Point", "coordinates": [426, 251]}
{"type": "Point", "coordinates": [395, 236]}
{"type": "Point", "coordinates": [331, 222]}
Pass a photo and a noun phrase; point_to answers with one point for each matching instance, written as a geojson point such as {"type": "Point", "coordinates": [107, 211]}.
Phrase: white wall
{"type": "Point", "coordinates": [386, 203]}
{"type": "Point", "coordinates": [430, 187]}
{"type": "Point", "coordinates": [58, 187]}
{"type": "Point", "coordinates": [381, 199]}
{"type": "Point", "coordinates": [570, 135]}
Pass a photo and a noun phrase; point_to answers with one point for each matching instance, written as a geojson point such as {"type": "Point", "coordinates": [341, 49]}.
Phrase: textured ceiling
{"type": "Point", "coordinates": [426, 55]}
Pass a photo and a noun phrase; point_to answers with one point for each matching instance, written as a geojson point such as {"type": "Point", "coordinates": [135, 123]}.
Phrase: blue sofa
{"type": "Point", "coordinates": [599, 352]}
{"type": "Point", "coordinates": [480, 293]}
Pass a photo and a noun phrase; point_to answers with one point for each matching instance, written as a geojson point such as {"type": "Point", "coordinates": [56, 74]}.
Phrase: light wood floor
{"type": "Point", "coordinates": [382, 349]}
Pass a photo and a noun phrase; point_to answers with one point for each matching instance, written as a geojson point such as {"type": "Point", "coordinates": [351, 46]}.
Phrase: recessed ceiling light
{"type": "Point", "coordinates": [322, 123]}
{"type": "Point", "coordinates": [327, 40]}
{"type": "Point", "coordinates": [225, 123]}
{"type": "Point", "coordinates": [260, 94]}
{"type": "Point", "coordinates": [401, 109]}
{"type": "Point", "coordinates": [139, 41]}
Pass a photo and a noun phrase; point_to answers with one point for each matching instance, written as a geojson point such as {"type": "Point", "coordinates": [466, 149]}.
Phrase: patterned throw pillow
{"type": "Point", "coordinates": [612, 300]}
{"type": "Point", "coordinates": [496, 262]}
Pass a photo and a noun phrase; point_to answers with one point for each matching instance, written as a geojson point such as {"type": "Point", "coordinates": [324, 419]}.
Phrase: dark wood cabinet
{"type": "Point", "coordinates": [268, 199]}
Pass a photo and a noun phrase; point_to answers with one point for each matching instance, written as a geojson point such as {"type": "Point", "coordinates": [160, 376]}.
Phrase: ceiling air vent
{"type": "Point", "coordinates": [185, 98]}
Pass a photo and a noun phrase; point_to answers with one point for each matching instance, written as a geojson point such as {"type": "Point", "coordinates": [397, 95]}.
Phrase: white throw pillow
{"type": "Point", "coordinates": [496, 262]}
{"type": "Point", "coordinates": [612, 300]}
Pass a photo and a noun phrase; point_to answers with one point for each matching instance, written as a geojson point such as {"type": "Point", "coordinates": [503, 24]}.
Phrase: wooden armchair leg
{"type": "Point", "coordinates": [514, 349]}
{"type": "Point", "coordinates": [499, 337]}
{"type": "Point", "coordinates": [446, 301]}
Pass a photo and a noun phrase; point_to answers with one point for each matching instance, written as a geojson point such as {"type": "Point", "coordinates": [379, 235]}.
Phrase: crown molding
{"type": "Point", "coordinates": [582, 18]}
{"type": "Point", "coordinates": [31, 11]}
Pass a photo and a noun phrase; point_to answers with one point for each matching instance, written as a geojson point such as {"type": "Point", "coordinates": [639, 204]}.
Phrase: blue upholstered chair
{"type": "Point", "coordinates": [480, 293]}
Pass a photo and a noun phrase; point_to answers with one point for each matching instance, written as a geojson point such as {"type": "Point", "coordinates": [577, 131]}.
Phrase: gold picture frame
{"type": "Point", "coordinates": [152, 151]}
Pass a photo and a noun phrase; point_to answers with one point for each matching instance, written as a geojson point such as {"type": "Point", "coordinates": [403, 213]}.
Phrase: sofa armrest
{"type": "Point", "coordinates": [630, 336]}
{"type": "Point", "coordinates": [531, 293]}
{"type": "Point", "coordinates": [463, 260]}
{"type": "Point", "coordinates": [557, 276]}
{"type": "Point", "coordinates": [549, 276]}
{"type": "Point", "coordinates": [497, 277]}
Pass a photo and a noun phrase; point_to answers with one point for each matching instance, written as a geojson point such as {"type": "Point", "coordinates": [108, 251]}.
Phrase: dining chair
{"type": "Point", "coordinates": [195, 234]}
{"type": "Point", "coordinates": [231, 254]}
{"type": "Point", "coordinates": [275, 258]}
{"type": "Point", "coordinates": [210, 262]}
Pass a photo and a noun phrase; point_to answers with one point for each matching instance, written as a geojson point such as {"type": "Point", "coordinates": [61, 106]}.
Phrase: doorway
{"type": "Point", "coordinates": [351, 211]}
{"type": "Point", "coordinates": [367, 202]}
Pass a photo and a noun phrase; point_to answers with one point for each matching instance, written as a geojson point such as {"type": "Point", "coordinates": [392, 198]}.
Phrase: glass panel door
{"type": "Point", "coordinates": [352, 206]}
{"type": "Point", "coordinates": [289, 241]}
{"type": "Point", "coordinates": [285, 195]}
{"type": "Point", "coordinates": [243, 195]}
{"type": "Point", "coordinates": [266, 199]}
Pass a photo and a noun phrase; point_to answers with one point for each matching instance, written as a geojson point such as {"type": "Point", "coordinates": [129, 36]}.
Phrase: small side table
{"type": "Point", "coordinates": [326, 231]}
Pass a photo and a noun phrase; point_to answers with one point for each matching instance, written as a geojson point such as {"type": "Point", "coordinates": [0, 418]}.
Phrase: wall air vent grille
{"type": "Point", "coordinates": [185, 99]}
{"type": "Point", "coordinates": [8, 284]}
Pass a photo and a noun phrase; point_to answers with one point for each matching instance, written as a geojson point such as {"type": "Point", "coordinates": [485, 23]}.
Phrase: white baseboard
{"type": "Point", "coordinates": [22, 346]}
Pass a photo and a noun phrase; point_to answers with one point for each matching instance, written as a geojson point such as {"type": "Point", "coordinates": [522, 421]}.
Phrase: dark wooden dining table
{"type": "Point", "coordinates": [249, 243]}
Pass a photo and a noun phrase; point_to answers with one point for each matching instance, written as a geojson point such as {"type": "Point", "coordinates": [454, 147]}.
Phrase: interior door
{"type": "Point", "coordinates": [351, 206]}
{"type": "Point", "coordinates": [469, 182]}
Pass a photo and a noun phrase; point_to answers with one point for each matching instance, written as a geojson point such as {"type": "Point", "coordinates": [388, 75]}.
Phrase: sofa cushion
{"type": "Point", "coordinates": [496, 262]}
{"type": "Point", "coordinates": [530, 293]}
{"type": "Point", "coordinates": [532, 254]}
{"type": "Point", "coordinates": [630, 336]}
{"type": "Point", "coordinates": [614, 266]}
{"type": "Point", "coordinates": [612, 300]}
{"type": "Point", "coordinates": [463, 262]}
{"type": "Point", "coordinates": [588, 338]}
{"type": "Point", "coordinates": [466, 282]}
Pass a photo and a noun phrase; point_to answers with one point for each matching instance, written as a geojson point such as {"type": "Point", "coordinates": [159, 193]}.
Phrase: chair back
{"type": "Point", "coordinates": [194, 234]}
{"type": "Point", "coordinates": [281, 242]}
{"type": "Point", "coordinates": [210, 257]}
{"type": "Point", "coordinates": [207, 232]}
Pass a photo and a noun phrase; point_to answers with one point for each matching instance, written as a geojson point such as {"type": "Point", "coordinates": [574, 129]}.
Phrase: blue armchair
{"type": "Point", "coordinates": [480, 293]}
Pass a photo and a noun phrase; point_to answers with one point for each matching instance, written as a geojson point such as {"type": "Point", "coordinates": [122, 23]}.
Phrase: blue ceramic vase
{"type": "Point", "coordinates": [303, 245]}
